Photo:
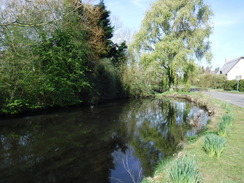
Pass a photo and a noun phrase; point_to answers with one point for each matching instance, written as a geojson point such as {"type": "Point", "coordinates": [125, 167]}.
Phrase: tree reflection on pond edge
{"type": "Point", "coordinates": [119, 141]}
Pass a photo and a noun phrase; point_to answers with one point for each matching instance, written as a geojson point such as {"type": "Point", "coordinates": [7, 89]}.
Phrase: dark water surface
{"type": "Point", "coordinates": [119, 141]}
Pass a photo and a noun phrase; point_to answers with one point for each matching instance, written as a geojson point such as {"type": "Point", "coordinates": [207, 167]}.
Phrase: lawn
{"type": "Point", "coordinates": [226, 169]}
{"type": "Point", "coordinates": [230, 166]}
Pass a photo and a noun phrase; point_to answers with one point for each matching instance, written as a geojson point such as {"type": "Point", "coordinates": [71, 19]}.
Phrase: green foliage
{"type": "Point", "coordinates": [228, 118]}
{"type": "Point", "coordinates": [226, 121]}
{"type": "Point", "coordinates": [106, 83]}
{"type": "Point", "coordinates": [15, 106]}
{"type": "Point", "coordinates": [187, 87]}
{"type": "Point", "coordinates": [138, 82]}
{"type": "Point", "coordinates": [145, 181]}
{"type": "Point", "coordinates": [185, 171]}
{"type": "Point", "coordinates": [241, 85]}
{"type": "Point", "coordinates": [57, 63]}
{"type": "Point", "coordinates": [222, 129]}
{"type": "Point", "coordinates": [162, 164]}
{"type": "Point", "coordinates": [105, 24]}
{"type": "Point", "coordinates": [226, 106]}
{"type": "Point", "coordinates": [19, 80]}
{"type": "Point", "coordinates": [194, 138]}
{"type": "Point", "coordinates": [230, 85]}
{"type": "Point", "coordinates": [173, 35]}
{"type": "Point", "coordinates": [214, 145]}
{"type": "Point", "coordinates": [209, 80]}
{"type": "Point", "coordinates": [63, 61]}
{"type": "Point", "coordinates": [118, 54]}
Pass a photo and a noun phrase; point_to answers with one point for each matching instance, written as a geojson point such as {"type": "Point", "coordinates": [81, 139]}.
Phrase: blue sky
{"type": "Point", "coordinates": [227, 38]}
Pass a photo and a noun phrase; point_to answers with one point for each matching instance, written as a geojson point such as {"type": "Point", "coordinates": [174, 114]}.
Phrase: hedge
{"type": "Point", "coordinates": [232, 85]}
{"type": "Point", "coordinates": [241, 85]}
{"type": "Point", "coordinates": [209, 80]}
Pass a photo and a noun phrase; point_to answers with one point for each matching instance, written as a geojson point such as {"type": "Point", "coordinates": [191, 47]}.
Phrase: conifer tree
{"type": "Point", "coordinates": [105, 23]}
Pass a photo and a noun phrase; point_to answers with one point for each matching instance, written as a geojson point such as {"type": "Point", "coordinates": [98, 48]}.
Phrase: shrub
{"type": "Point", "coordinates": [241, 85]}
{"type": "Point", "coordinates": [214, 145]}
{"type": "Point", "coordinates": [230, 85]}
{"type": "Point", "coordinates": [138, 82]}
{"type": "Point", "coordinates": [106, 81]}
{"type": "Point", "coordinates": [209, 80]}
{"type": "Point", "coordinates": [185, 171]}
{"type": "Point", "coordinates": [15, 107]}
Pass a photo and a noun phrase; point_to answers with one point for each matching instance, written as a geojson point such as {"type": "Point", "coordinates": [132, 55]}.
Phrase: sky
{"type": "Point", "coordinates": [228, 21]}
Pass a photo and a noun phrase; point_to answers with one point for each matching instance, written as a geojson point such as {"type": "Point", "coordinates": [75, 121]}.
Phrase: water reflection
{"type": "Point", "coordinates": [116, 142]}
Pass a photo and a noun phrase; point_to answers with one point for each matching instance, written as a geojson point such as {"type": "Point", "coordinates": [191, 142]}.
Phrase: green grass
{"type": "Point", "coordinates": [231, 91]}
{"type": "Point", "coordinates": [229, 167]}
{"type": "Point", "coordinates": [228, 119]}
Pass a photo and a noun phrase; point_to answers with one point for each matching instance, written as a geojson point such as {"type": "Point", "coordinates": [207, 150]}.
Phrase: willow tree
{"type": "Point", "coordinates": [174, 34]}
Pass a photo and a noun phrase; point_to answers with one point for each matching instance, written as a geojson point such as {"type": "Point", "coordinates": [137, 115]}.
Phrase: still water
{"type": "Point", "coordinates": [117, 142]}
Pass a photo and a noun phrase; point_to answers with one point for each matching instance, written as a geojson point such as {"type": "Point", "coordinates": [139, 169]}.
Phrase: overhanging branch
{"type": "Point", "coordinates": [23, 24]}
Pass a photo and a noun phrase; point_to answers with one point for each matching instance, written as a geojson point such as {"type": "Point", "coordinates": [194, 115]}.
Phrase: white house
{"type": "Point", "coordinates": [233, 69]}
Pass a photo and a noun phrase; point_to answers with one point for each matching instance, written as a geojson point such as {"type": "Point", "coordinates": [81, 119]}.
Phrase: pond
{"type": "Point", "coordinates": [120, 141]}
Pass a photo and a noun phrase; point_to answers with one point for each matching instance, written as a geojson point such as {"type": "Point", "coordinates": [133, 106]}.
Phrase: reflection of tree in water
{"type": "Point", "coordinates": [81, 146]}
{"type": "Point", "coordinates": [56, 153]}
{"type": "Point", "coordinates": [155, 129]}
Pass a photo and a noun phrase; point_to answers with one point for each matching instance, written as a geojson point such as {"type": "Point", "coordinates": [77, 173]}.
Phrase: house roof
{"type": "Point", "coordinates": [229, 65]}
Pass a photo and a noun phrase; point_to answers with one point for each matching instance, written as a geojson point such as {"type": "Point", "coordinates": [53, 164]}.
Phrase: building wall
{"type": "Point", "coordinates": [237, 70]}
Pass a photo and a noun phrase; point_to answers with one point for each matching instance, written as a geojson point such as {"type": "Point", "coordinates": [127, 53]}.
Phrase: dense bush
{"type": "Point", "coordinates": [61, 62]}
{"type": "Point", "coordinates": [106, 82]}
{"type": "Point", "coordinates": [216, 81]}
{"type": "Point", "coordinates": [241, 85]}
{"type": "Point", "coordinates": [209, 80]}
{"type": "Point", "coordinates": [140, 82]}
{"type": "Point", "coordinates": [64, 65]}
{"type": "Point", "coordinates": [134, 83]}
{"type": "Point", "coordinates": [230, 85]}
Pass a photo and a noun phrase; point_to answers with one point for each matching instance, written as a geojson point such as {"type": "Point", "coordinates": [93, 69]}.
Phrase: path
{"type": "Point", "coordinates": [233, 98]}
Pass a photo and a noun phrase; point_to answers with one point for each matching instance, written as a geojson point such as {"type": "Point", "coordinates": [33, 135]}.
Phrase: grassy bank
{"type": "Point", "coordinates": [229, 167]}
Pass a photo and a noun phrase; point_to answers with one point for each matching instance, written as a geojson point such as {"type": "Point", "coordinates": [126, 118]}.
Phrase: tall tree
{"type": "Point", "coordinates": [105, 24]}
{"type": "Point", "coordinates": [44, 54]}
{"type": "Point", "coordinates": [173, 35]}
